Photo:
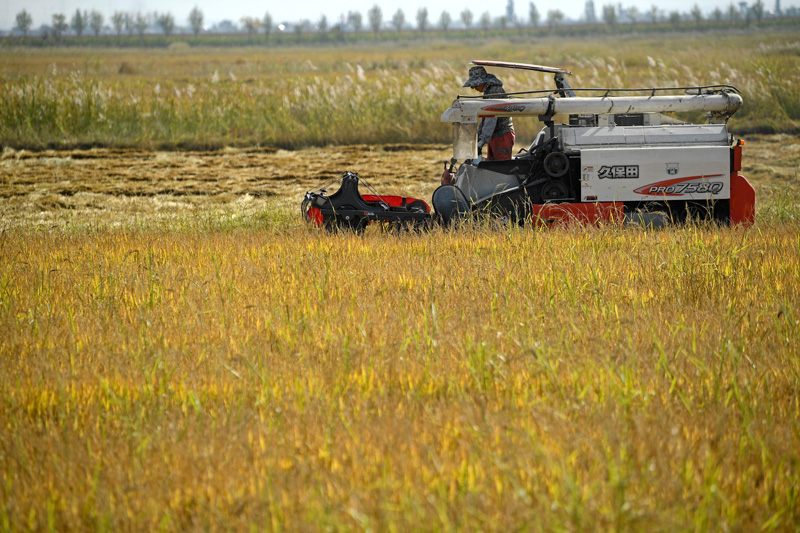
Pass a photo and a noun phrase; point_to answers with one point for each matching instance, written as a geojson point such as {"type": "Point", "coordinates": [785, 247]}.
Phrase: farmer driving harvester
{"type": "Point", "coordinates": [497, 133]}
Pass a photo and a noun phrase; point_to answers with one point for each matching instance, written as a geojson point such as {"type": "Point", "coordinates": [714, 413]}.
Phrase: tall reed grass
{"type": "Point", "coordinates": [190, 98]}
{"type": "Point", "coordinates": [291, 112]}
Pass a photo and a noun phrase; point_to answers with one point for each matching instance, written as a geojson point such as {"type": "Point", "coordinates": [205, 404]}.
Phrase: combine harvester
{"type": "Point", "coordinates": [619, 158]}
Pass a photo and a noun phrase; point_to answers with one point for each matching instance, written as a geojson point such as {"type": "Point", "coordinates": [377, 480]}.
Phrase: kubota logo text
{"type": "Point", "coordinates": [618, 172]}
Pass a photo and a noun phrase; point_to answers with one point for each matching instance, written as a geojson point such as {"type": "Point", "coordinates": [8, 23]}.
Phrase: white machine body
{"type": "Point", "coordinates": [635, 163]}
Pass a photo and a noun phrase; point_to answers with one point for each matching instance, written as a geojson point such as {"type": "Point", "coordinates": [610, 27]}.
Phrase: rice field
{"type": "Point", "coordinates": [249, 378]}
{"type": "Point", "coordinates": [179, 351]}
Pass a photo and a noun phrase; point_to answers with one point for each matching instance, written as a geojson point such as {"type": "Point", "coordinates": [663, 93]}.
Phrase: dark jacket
{"type": "Point", "coordinates": [493, 126]}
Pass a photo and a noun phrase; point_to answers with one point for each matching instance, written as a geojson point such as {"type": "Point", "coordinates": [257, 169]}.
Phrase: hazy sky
{"type": "Point", "coordinates": [42, 10]}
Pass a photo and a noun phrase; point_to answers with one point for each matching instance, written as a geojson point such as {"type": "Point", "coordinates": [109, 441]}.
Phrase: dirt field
{"type": "Point", "coordinates": [115, 187]}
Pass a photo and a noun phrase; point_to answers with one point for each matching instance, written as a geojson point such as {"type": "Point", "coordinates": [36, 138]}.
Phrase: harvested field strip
{"type": "Point", "coordinates": [112, 186]}
{"type": "Point", "coordinates": [121, 187]}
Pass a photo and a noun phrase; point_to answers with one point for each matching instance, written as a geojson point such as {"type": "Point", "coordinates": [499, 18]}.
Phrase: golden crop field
{"type": "Point", "coordinates": [180, 351]}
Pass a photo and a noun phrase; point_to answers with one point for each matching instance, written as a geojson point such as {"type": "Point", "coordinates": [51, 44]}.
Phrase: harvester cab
{"type": "Point", "coordinates": [616, 156]}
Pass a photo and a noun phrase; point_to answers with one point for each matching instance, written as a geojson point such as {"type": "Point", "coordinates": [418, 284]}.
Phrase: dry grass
{"type": "Point", "coordinates": [582, 378]}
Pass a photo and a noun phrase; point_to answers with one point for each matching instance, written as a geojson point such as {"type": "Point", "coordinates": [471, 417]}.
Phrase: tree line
{"type": "Point", "coordinates": [127, 23]}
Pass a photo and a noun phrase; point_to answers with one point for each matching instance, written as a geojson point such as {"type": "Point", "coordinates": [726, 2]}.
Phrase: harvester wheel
{"type": "Point", "coordinates": [417, 206]}
{"type": "Point", "coordinates": [554, 190]}
{"type": "Point", "coordinates": [556, 164]}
